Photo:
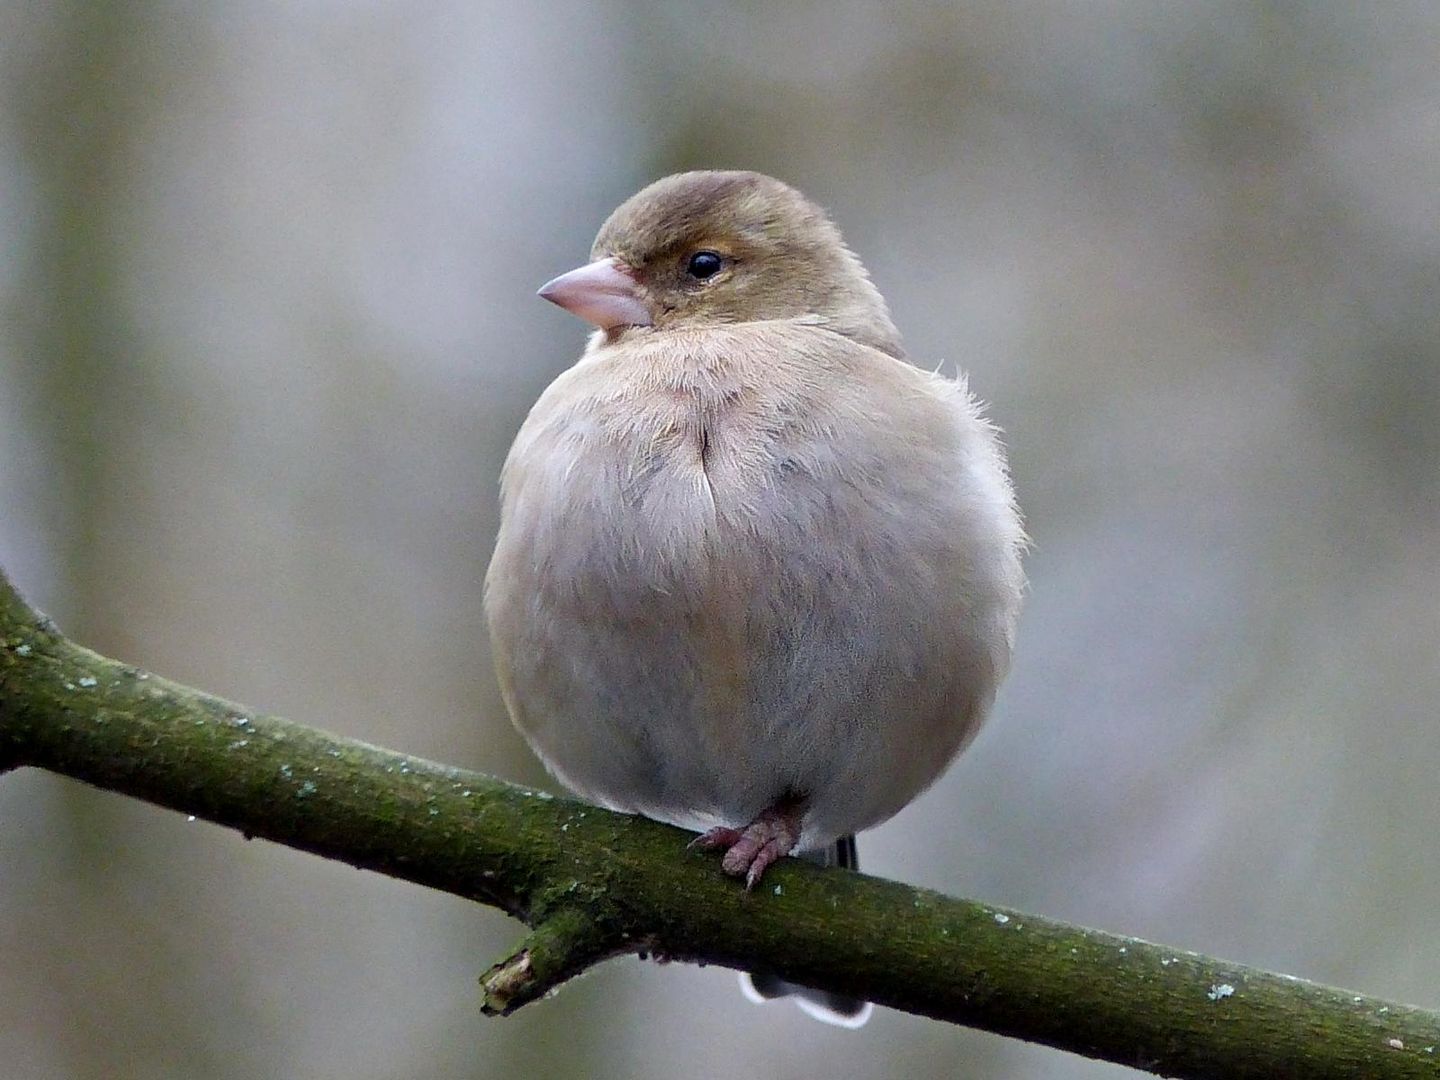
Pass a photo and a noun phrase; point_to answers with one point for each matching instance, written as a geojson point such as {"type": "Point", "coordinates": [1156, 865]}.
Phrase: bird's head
{"type": "Point", "coordinates": [705, 248]}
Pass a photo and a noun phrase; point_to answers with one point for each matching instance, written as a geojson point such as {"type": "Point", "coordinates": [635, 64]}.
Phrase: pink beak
{"type": "Point", "coordinates": [603, 292]}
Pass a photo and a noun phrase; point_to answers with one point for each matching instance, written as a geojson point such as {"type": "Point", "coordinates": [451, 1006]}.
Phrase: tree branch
{"type": "Point", "coordinates": [562, 945]}
{"type": "Point", "coordinates": [593, 884]}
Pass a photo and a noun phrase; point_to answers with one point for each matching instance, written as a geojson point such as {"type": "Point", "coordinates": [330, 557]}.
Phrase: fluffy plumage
{"type": "Point", "coordinates": [753, 566]}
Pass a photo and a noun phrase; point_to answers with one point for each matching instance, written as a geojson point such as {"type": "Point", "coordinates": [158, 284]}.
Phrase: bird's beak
{"type": "Point", "coordinates": [603, 292]}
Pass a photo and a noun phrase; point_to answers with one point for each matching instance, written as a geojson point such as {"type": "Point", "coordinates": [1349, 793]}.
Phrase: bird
{"type": "Point", "coordinates": [757, 574]}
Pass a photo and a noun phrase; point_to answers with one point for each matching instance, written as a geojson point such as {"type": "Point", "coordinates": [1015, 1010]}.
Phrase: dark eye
{"type": "Point", "coordinates": [704, 264]}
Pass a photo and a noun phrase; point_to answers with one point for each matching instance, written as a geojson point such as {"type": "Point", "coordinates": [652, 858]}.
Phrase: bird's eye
{"type": "Point", "coordinates": [704, 264]}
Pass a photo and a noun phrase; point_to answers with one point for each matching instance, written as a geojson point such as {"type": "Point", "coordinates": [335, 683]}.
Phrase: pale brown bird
{"type": "Point", "coordinates": [756, 574]}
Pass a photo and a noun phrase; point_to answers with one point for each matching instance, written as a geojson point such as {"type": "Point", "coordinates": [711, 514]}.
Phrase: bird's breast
{"type": "Point", "coordinates": [710, 585]}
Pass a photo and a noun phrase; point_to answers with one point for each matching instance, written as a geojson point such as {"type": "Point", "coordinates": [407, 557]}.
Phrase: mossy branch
{"type": "Point", "coordinates": [592, 884]}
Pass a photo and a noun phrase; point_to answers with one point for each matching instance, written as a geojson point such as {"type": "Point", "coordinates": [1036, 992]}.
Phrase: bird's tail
{"type": "Point", "coordinates": [835, 1009]}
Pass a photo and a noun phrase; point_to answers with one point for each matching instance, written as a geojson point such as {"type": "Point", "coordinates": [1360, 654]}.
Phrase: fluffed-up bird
{"type": "Point", "coordinates": [757, 575]}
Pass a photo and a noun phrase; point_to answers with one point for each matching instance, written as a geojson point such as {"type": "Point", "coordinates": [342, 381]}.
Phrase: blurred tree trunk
{"type": "Point", "coordinates": [81, 120]}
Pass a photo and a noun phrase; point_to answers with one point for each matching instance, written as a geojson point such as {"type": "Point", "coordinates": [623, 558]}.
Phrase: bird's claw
{"type": "Point", "coordinates": [750, 851]}
{"type": "Point", "coordinates": [715, 839]}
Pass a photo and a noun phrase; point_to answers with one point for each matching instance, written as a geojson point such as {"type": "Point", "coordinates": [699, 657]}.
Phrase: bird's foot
{"type": "Point", "coordinates": [749, 851]}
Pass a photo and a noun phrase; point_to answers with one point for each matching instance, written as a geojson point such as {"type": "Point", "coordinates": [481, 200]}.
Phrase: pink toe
{"type": "Point", "coordinates": [769, 838]}
{"type": "Point", "coordinates": [716, 838]}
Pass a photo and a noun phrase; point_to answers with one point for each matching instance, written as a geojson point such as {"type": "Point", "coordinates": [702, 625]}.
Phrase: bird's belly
{"type": "Point", "coordinates": [695, 648]}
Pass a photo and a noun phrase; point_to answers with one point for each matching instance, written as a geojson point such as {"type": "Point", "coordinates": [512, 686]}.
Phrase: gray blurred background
{"type": "Point", "coordinates": [269, 325]}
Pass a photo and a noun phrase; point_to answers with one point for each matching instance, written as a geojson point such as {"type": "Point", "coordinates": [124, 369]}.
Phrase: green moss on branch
{"type": "Point", "coordinates": [592, 883]}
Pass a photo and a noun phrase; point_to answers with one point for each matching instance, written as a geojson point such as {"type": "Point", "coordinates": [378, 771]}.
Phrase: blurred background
{"type": "Point", "coordinates": [269, 325]}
